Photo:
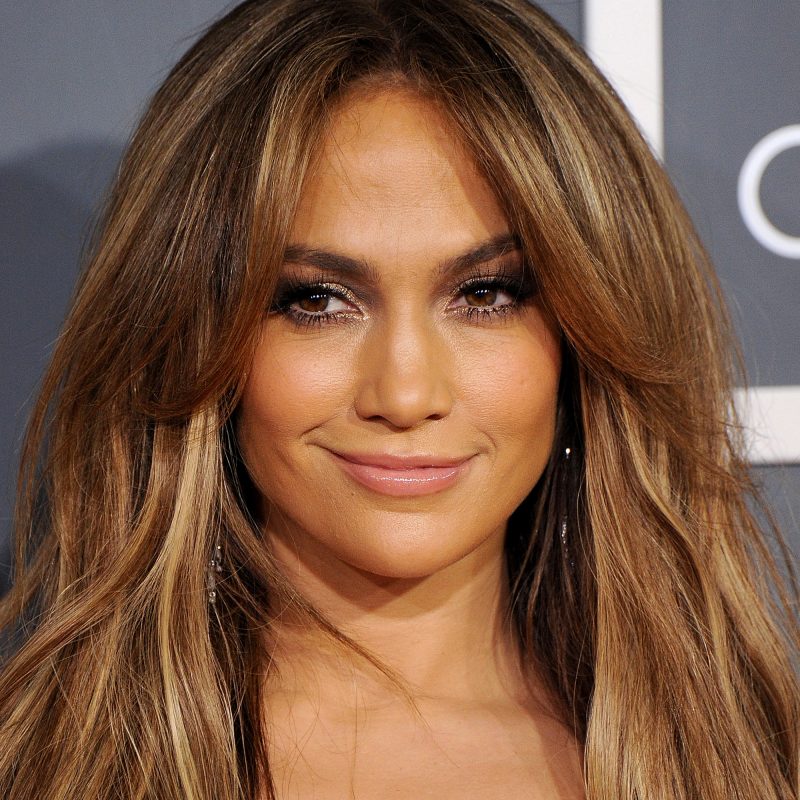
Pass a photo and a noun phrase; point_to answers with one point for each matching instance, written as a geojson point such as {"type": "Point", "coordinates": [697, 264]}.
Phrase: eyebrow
{"type": "Point", "coordinates": [485, 251]}
{"type": "Point", "coordinates": [330, 261]}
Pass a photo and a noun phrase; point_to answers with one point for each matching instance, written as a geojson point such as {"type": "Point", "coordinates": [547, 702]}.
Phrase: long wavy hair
{"type": "Point", "coordinates": [643, 589]}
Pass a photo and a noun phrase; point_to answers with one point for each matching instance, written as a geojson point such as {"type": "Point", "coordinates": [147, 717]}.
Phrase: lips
{"type": "Point", "coordinates": [402, 475]}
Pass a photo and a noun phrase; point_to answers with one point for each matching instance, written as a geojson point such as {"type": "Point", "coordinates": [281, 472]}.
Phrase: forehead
{"type": "Point", "coordinates": [392, 174]}
{"type": "Point", "coordinates": [391, 133]}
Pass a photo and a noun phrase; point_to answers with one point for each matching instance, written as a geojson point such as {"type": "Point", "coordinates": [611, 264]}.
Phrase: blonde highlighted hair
{"type": "Point", "coordinates": [666, 627]}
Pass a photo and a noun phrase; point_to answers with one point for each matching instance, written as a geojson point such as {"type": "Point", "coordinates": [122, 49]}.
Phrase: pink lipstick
{"type": "Point", "coordinates": [402, 476]}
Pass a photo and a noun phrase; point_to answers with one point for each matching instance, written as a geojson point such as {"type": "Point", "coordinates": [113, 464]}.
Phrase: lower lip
{"type": "Point", "coordinates": [414, 482]}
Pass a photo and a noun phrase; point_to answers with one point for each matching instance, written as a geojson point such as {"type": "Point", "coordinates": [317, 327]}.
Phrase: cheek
{"type": "Point", "coordinates": [513, 387]}
{"type": "Point", "coordinates": [293, 386]}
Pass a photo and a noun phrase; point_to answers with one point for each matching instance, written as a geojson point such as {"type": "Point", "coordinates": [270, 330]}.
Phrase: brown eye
{"type": "Point", "coordinates": [314, 303]}
{"type": "Point", "coordinates": [481, 297]}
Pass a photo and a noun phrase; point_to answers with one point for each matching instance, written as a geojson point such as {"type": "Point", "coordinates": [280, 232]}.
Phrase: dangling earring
{"type": "Point", "coordinates": [214, 567]}
{"type": "Point", "coordinates": [564, 482]}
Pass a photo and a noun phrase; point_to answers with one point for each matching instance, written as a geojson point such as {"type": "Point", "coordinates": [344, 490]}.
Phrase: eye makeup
{"type": "Point", "coordinates": [314, 300]}
{"type": "Point", "coordinates": [487, 293]}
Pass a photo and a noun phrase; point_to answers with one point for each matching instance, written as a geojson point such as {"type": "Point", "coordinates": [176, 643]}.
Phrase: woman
{"type": "Point", "coordinates": [388, 447]}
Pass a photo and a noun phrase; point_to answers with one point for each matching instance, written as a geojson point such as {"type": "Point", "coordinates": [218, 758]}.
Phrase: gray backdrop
{"type": "Point", "coordinates": [731, 77]}
{"type": "Point", "coordinates": [75, 77]}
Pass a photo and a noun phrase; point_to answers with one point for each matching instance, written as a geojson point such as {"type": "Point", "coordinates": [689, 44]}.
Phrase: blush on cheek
{"type": "Point", "coordinates": [295, 385]}
{"type": "Point", "coordinates": [513, 385]}
{"type": "Point", "coordinates": [520, 408]}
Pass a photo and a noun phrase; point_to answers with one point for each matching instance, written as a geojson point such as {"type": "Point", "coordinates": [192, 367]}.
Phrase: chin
{"type": "Point", "coordinates": [419, 551]}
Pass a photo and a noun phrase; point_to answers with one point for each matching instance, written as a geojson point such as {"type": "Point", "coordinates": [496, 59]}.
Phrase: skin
{"type": "Point", "coordinates": [403, 368]}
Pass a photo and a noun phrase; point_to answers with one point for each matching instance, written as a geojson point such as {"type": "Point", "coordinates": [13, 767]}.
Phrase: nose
{"type": "Point", "coordinates": [404, 372]}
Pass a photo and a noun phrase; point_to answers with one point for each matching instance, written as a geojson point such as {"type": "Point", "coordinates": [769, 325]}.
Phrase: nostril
{"type": "Point", "coordinates": [398, 423]}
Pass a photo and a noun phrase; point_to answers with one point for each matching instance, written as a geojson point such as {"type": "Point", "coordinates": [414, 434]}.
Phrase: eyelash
{"type": "Point", "coordinates": [293, 290]}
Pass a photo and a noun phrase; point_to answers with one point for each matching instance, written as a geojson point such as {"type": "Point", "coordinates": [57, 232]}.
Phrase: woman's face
{"type": "Point", "coordinates": [402, 400]}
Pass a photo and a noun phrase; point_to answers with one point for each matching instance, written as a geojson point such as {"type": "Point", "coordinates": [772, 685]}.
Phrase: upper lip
{"type": "Point", "coordinates": [399, 462]}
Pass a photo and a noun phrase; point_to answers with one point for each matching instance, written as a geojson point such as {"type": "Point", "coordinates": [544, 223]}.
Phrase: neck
{"type": "Point", "coordinates": [446, 635]}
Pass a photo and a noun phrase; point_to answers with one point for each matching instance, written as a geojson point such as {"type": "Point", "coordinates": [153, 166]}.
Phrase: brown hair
{"type": "Point", "coordinates": [663, 626]}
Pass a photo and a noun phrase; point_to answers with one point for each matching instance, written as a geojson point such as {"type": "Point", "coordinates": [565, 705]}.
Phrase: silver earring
{"type": "Point", "coordinates": [214, 567]}
{"type": "Point", "coordinates": [567, 453]}
{"type": "Point", "coordinates": [565, 547]}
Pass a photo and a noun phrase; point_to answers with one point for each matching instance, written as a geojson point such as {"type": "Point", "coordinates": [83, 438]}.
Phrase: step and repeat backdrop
{"type": "Point", "coordinates": [714, 86]}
